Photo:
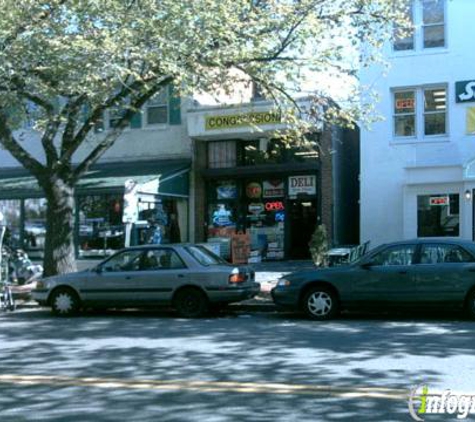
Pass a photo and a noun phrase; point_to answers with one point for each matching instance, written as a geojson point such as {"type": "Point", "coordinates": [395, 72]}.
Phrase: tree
{"type": "Point", "coordinates": [63, 63]}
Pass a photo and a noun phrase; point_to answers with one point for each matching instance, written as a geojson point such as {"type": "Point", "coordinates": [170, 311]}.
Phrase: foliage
{"type": "Point", "coordinates": [63, 63]}
{"type": "Point", "coordinates": [319, 245]}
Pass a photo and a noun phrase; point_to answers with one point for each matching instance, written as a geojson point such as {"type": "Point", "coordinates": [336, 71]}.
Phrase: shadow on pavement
{"type": "Point", "coordinates": [352, 352]}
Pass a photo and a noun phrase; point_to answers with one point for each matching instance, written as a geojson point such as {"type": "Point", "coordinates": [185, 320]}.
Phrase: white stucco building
{"type": "Point", "coordinates": [418, 164]}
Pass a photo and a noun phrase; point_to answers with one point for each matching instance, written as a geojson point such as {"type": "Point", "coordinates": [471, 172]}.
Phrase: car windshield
{"type": "Point", "coordinates": [204, 256]}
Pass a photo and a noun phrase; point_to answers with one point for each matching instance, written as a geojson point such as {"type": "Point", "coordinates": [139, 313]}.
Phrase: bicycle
{"type": "Point", "coordinates": [7, 302]}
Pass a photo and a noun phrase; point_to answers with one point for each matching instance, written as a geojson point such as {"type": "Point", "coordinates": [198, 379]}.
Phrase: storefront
{"type": "Point", "coordinates": [278, 212]}
{"type": "Point", "coordinates": [249, 183]}
{"type": "Point", "coordinates": [100, 206]}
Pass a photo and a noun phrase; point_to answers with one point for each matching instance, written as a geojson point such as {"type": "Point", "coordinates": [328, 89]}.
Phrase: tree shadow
{"type": "Point", "coordinates": [395, 352]}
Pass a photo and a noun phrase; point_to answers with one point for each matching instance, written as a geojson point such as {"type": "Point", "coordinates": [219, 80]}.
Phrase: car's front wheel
{"type": "Point", "coordinates": [320, 303]}
{"type": "Point", "coordinates": [190, 303]}
{"type": "Point", "coordinates": [64, 302]}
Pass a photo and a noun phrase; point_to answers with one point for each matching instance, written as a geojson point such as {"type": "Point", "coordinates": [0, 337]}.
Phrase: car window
{"type": "Point", "coordinates": [161, 259]}
{"type": "Point", "coordinates": [395, 255]}
{"type": "Point", "coordinates": [442, 253]}
{"type": "Point", "coordinates": [123, 261]}
{"type": "Point", "coordinates": [204, 256]}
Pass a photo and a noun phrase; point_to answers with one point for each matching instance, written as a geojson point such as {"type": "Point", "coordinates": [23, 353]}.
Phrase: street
{"type": "Point", "coordinates": [144, 366]}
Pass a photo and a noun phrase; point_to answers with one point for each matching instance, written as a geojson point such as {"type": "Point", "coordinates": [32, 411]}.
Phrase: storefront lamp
{"type": "Point", "coordinates": [468, 195]}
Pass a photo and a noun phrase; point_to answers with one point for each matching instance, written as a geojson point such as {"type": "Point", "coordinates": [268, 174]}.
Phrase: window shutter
{"type": "Point", "coordinates": [136, 121]}
{"type": "Point", "coordinates": [174, 104]}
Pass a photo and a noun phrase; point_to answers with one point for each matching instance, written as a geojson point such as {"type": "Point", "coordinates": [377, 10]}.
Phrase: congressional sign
{"type": "Point", "coordinates": [465, 91]}
{"type": "Point", "coordinates": [254, 118]}
{"type": "Point", "coordinates": [302, 185]}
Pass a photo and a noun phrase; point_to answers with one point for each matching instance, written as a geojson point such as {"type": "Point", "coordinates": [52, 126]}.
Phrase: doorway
{"type": "Point", "coordinates": [302, 220]}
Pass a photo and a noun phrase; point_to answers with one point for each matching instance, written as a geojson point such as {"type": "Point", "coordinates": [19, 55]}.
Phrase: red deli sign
{"type": "Point", "coordinates": [439, 200]}
{"type": "Point", "coordinates": [405, 104]}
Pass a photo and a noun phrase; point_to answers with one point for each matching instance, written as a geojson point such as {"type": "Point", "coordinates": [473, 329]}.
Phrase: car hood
{"type": "Point", "coordinates": [69, 278]}
{"type": "Point", "coordinates": [317, 273]}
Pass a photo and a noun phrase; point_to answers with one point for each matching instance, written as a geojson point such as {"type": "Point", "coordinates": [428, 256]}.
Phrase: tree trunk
{"type": "Point", "coordinates": [59, 244]}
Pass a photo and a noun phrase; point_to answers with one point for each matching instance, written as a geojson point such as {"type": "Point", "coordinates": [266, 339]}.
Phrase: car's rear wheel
{"type": "Point", "coordinates": [470, 305]}
{"type": "Point", "coordinates": [190, 303]}
{"type": "Point", "coordinates": [64, 302]}
{"type": "Point", "coordinates": [320, 303]}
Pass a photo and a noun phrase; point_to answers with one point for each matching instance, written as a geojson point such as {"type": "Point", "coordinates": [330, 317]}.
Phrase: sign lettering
{"type": "Point", "coordinates": [255, 118]}
{"type": "Point", "coordinates": [465, 91]}
{"type": "Point", "coordinates": [302, 185]}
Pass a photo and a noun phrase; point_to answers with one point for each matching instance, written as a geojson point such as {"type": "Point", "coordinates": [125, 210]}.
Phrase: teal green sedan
{"type": "Point", "coordinates": [422, 273]}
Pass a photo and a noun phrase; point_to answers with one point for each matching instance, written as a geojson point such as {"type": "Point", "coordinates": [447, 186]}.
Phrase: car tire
{"type": "Point", "coordinates": [320, 303]}
{"type": "Point", "coordinates": [470, 305]}
{"type": "Point", "coordinates": [190, 303]}
{"type": "Point", "coordinates": [65, 302]}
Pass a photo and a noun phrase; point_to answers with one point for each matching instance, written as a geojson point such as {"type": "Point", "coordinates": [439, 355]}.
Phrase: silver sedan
{"type": "Point", "coordinates": [188, 277]}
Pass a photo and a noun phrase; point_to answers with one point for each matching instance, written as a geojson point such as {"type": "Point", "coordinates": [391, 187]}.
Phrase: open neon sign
{"type": "Point", "coordinates": [275, 206]}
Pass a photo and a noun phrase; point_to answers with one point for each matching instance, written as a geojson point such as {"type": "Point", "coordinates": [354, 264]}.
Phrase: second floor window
{"type": "Point", "coordinates": [426, 26]}
{"type": "Point", "coordinates": [157, 109]}
{"type": "Point", "coordinates": [420, 112]}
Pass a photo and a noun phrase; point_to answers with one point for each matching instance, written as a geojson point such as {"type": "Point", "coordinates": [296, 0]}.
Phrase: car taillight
{"type": "Point", "coordinates": [237, 278]}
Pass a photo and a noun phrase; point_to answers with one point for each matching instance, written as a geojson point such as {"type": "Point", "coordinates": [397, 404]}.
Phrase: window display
{"type": "Point", "coordinates": [438, 215]}
{"type": "Point", "coordinates": [100, 224]}
{"type": "Point", "coordinates": [11, 213]}
{"type": "Point", "coordinates": [35, 224]}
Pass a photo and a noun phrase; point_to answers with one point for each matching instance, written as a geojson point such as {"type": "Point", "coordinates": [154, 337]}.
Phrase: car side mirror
{"type": "Point", "coordinates": [367, 265]}
{"type": "Point", "coordinates": [99, 269]}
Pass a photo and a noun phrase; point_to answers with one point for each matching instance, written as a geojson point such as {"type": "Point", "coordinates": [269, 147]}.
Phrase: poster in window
{"type": "Point", "coordinates": [273, 188]}
{"type": "Point", "coordinates": [471, 121]}
{"type": "Point", "coordinates": [227, 190]}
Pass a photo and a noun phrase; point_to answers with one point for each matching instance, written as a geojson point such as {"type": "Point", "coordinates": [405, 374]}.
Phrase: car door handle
{"type": "Point", "coordinates": [402, 272]}
{"type": "Point", "coordinates": [180, 275]}
{"type": "Point", "coordinates": [129, 277]}
{"type": "Point", "coordinates": [472, 270]}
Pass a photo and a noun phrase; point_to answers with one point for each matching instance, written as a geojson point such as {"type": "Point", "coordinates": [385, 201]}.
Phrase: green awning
{"type": "Point", "coordinates": [173, 177]}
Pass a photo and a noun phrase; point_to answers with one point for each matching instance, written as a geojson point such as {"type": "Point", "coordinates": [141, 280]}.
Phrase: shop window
{"type": "Point", "coordinates": [157, 109]}
{"type": "Point", "coordinates": [427, 106]}
{"type": "Point", "coordinates": [438, 215]}
{"type": "Point", "coordinates": [426, 29]}
{"type": "Point", "coordinates": [222, 154]}
{"type": "Point", "coordinates": [35, 224]}
{"type": "Point", "coordinates": [276, 151]}
{"type": "Point", "coordinates": [100, 224]}
{"type": "Point", "coordinates": [11, 210]}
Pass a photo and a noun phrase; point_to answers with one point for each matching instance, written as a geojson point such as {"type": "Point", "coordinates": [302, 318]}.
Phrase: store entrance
{"type": "Point", "coordinates": [302, 219]}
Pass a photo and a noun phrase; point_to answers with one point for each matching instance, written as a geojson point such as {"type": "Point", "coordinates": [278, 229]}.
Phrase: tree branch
{"type": "Point", "coordinates": [8, 141]}
{"type": "Point", "coordinates": [112, 136]}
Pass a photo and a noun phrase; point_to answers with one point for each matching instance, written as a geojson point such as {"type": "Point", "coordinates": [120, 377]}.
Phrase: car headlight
{"type": "Point", "coordinates": [283, 283]}
{"type": "Point", "coordinates": [40, 285]}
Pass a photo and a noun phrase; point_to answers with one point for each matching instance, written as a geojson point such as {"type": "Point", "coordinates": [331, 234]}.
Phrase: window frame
{"type": "Point", "coordinates": [165, 104]}
{"type": "Point", "coordinates": [418, 30]}
{"type": "Point", "coordinates": [420, 114]}
{"type": "Point", "coordinates": [424, 25]}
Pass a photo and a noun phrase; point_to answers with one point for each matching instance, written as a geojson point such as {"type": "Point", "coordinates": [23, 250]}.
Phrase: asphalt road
{"type": "Point", "coordinates": [142, 366]}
